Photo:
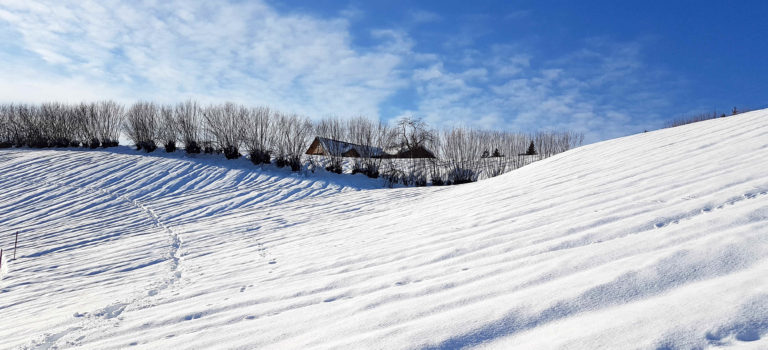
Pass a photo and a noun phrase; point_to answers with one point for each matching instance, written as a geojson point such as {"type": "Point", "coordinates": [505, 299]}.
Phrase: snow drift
{"type": "Point", "coordinates": [652, 241]}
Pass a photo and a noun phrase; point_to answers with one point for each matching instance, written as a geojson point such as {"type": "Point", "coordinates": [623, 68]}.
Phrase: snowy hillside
{"type": "Point", "coordinates": [652, 241]}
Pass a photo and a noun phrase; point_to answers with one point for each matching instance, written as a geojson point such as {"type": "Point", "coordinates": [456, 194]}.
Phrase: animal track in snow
{"type": "Point", "coordinates": [708, 209]}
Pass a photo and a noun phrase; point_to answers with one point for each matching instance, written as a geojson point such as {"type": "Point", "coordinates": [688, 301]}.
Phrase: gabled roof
{"type": "Point", "coordinates": [415, 152]}
{"type": "Point", "coordinates": [333, 147]}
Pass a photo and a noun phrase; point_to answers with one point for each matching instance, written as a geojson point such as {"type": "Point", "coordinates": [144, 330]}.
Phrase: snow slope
{"type": "Point", "coordinates": [652, 241]}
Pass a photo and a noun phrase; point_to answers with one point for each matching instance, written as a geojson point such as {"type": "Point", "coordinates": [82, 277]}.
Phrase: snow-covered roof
{"type": "Point", "coordinates": [338, 148]}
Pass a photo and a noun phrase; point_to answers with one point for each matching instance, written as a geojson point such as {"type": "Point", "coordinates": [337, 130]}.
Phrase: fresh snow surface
{"type": "Point", "coordinates": [3, 266]}
{"type": "Point", "coordinates": [652, 241]}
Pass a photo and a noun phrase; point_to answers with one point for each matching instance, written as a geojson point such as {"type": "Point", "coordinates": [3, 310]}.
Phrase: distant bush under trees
{"type": "Point", "coordinates": [409, 153]}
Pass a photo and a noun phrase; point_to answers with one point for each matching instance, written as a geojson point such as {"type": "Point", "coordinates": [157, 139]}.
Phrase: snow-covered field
{"type": "Point", "coordinates": [652, 241]}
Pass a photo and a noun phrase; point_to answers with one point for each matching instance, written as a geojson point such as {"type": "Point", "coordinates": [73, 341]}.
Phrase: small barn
{"type": "Point", "coordinates": [414, 152]}
{"type": "Point", "coordinates": [322, 146]}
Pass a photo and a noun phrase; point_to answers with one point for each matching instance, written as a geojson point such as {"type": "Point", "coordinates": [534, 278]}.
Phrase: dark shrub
{"type": "Point", "coordinates": [392, 177]}
{"type": "Point", "coordinates": [231, 152]}
{"type": "Point", "coordinates": [371, 170]}
{"type": "Point", "coordinates": [281, 162]}
{"type": "Point", "coordinates": [38, 142]}
{"type": "Point", "coordinates": [192, 147]}
{"type": "Point", "coordinates": [459, 176]}
{"type": "Point", "coordinates": [333, 167]}
{"type": "Point", "coordinates": [357, 167]}
{"type": "Point", "coordinates": [372, 173]}
{"type": "Point", "coordinates": [147, 146]}
{"type": "Point", "coordinates": [170, 146]}
{"type": "Point", "coordinates": [109, 143]}
{"type": "Point", "coordinates": [94, 143]}
{"type": "Point", "coordinates": [255, 157]}
{"type": "Point", "coordinates": [259, 157]}
{"type": "Point", "coordinates": [295, 163]}
{"type": "Point", "coordinates": [60, 142]}
{"type": "Point", "coordinates": [266, 157]}
{"type": "Point", "coordinates": [419, 181]}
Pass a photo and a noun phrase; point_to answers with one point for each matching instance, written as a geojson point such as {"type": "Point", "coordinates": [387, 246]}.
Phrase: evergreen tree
{"type": "Point", "coordinates": [496, 153]}
{"type": "Point", "coordinates": [531, 150]}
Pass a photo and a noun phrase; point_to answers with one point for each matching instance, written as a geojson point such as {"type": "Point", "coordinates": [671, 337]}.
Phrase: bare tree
{"type": "Point", "coordinates": [55, 125]}
{"type": "Point", "coordinates": [14, 128]}
{"type": "Point", "coordinates": [292, 139]}
{"type": "Point", "coordinates": [141, 125]}
{"type": "Point", "coordinates": [168, 132]}
{"type": "Point", "coordinates": [225, 123]}
{"type": "Point", "coordinates": [692, 119]}
{"type": "Point", "coordinates": [413, 136]}
{"type": "Point", "coordinates": [259, 135]}
{"type": "Point", "coordinates": [188, 118]}
{"type": "Point", "coordinates": [494, 162]}
{"type": "Point", "coordinates": [84, 117]}
{"type": "Point", "coordinates": [110, 118]}
{"type": "Point", "coordinates": [373, 137]}
{"type": "Point", "coordinates": [32, 127]}
{"type": "Point", "coordinates": [462, 150]}
{"type": "Point", "coordinates": [6, 126]}
{"type": "Point", "coordinates": [413, 133]}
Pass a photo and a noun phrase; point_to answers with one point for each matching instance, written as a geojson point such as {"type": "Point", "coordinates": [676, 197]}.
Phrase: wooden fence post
{"type": "Point", "coordinates": [14, 245]}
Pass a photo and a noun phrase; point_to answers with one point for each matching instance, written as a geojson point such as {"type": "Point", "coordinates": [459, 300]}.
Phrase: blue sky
{"type": "Point", "coordinates": [606, 68]}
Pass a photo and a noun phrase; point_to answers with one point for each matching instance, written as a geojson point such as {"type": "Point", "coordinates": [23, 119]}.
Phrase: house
{"type": "Point", "coordinates": [414, 152]}
{"type": "Point", "coordinates": [322, 146]}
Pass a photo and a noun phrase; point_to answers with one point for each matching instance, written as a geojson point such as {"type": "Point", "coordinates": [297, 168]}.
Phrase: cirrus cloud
{"type": "Point", "coordinates": [167, 51]}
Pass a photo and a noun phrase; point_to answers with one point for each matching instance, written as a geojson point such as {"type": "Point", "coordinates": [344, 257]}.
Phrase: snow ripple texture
{"type": "Point", "coordinates": [652, 241]}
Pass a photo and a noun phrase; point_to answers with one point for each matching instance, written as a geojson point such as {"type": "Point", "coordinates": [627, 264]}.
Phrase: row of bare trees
{"type": "Point", "coordinates": [60, 125]}
{"type": "Point", "coordinates": [463, 155]}
{"type": "Point", "coordinates": [460, 155]}
{"type": "Point", "coordinates": [409, 152]}
{"type": "Point", "coordinates": [226, 128]}
{"type": "Point", "coordinates": [695, 118]}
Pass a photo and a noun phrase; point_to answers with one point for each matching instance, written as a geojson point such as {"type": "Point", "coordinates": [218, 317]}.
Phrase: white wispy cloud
{"type": "Point", "coordinates": [594, 90]}
{"type": "Point", "coordinates": [249, 52]}
{"type": "Point", "coordinates": [422, 16]}
{"type": "Point", "coordinates": [168, 51]}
